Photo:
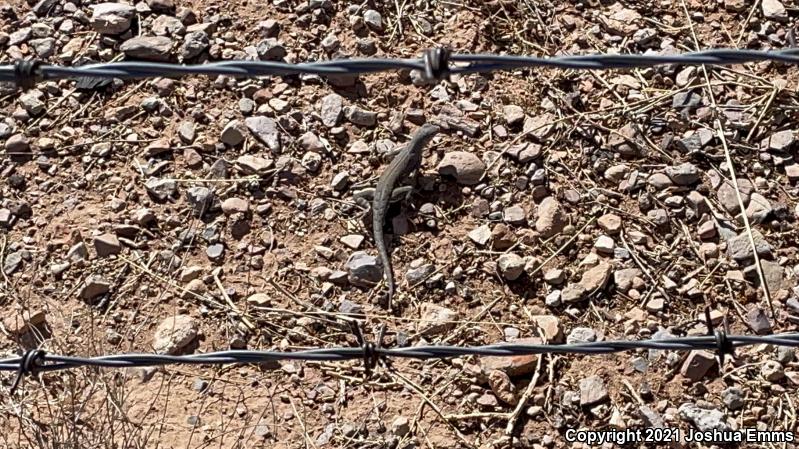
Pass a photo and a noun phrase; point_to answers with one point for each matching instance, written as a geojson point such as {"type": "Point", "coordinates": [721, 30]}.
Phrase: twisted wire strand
{"type": "Point", "coordinates": [473, 63]}
{"type": "Point", "coordinates": [53, 362]}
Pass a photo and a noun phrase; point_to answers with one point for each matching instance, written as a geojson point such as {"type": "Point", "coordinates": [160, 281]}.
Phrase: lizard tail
{"type": "Point", "coordinates": [385, 260]}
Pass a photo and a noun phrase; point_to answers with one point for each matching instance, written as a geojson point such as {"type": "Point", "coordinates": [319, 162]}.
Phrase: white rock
{"type": "Point", "coordinates": [174, 333]}
{"type": "Point", "coordinates": [112, 18]}
{"type": "Point", "coordinates": [774, 10]}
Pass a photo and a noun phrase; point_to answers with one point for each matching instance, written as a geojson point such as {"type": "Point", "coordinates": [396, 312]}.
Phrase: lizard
{"type": "Point", "coordinates": [407, 161]}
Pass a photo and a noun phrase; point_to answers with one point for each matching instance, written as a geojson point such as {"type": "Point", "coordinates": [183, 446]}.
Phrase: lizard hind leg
{"type": "Point", "coordinates": [401, 193]}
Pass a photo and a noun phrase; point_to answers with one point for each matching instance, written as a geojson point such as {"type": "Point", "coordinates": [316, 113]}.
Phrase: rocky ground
{"type": "Point", "coordinates": [201, 214]}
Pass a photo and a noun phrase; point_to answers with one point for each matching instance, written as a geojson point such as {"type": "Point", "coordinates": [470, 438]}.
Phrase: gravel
{"type": "Point", "coordinates": [583, 211]}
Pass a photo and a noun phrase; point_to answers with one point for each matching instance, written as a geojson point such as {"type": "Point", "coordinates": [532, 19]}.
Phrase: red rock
{"type": "Point", "coordinates": [513, 366]}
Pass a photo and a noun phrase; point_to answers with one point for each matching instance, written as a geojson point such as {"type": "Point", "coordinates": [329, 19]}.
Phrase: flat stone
{"type": "Point", "coordinates": [572, 293]}
{"type": "Point", "coordinates": [595, 278]}
{"type": "Point", "coordinates": [6, 218]}
{"type": "Point", "coordinates": [705, 420]}
{"type": "Point", "coordinates": [270, 49]}
{"type": "Point", "coordinates": [187, 132]}
{"type": "Point", "coordinates": [480, 235]}
{"type": "Point", "coordinates": [706, 230]}
{"type": "Point", "coordinates": [400, 426]}
{"type": "Point", "coordinates": [259, 300]}
{"type": "Point", "coordinates": [514, 366]}
{"type": "Point", "coordinates": [165, 25]}
{"type": "Point", "coordinates": [191, 273]}
{"type": "Point", "coordinates": [194, 288]}
{"type": "Point", "coordinates": [617, 172]}
{"type": "Point", "coordinates": [94, 287]}
{"type": "Point", "coordinates": [581, 335]}
{"type": "Point", "coordinates": [174, 334]}
{"type": "Point", "coordinates": [650, 417]}
{"type": "Point", "coordinates": [373, 20]}
{"type": "Point", "coordinates": [352, 241]}
{"type": "Point", "coordinates": [697, 364]}
{"type": "Point", "coordinates": [332, 107]}
{"type": "Point", "coordinates": [515, 215]}
{"type": "Point", "coordinates": [112, 18]}
{"type": "Point", "coordinates": [758, 321]}
{"type": "Point", "coordinates": [739, 248]}
{"type": "Point", "coordinates": [697, 202]}
{"type": "Point", "coordinates": [192, 158]}
{"type": "Point", "coordinates": [194, 43]}
{"type": "Point", "coordinates": [792, 171]}
{"type": "Point", "coordinates": [158, 147]}
{"type": "Point", "coordinates": [436, 319]}
{"type": "Point", "coordinates": [17, 143]}
{"type": "Point", "coordinates": [360, 117]}
{"type": "Point", "coordinates": [539, 126]}
{"type": "Point", "coordinates": [774, 10]}
{"type": "Point", "coordinates": [555, 276]}
{"type": "Point", "coordinates": [660, 217]}
{"type": "Point", "coordinates": [311, 142]}
{"type": "Point", "coordinates": [514, 115]}
{"type": "Point", "coordinates": [235, 206]}
{"type": "Point", "coordinates": [150, 48]}
{"type": "Point", "coordinates": [683, 174]}
{"type": "Point", "coordinates": [550, 327]}
{"type": "Point", "coordinates": [592, 391]}
{"type": "Point", "coordinates": [78, 252]}
{"type": "Point", "coordinates": [464, 166]}
{"type": "Point", "coordinates": [265, 130]}
{"type": "Point", "coordinates": [340, 181]}
{"type": "Point", "coordinates": [610, 223]}
{"type": "Point", "coordinates": [655, 305]}
{"type": "Point", "coordinates": [785, 354]}
{"type": "Point", "coordinates": [550, 217]}
{"type": "Point", "coordinates": [200, 199]}
{"type": "Point", "coordinates": [350, 308]}
{"type": "Point", "coordinates": [487, 400]}
{"type": "Point", "coordinates": [659, 181]}
{"type": "Point", "coordinates": [254, 165]}
{"type": "Point", "coordinates": [215, 252]}
{"type": "Point", "coordinates": [233, 133]}
{"type": "Point", "coordinates": [604, 245]}
{"type": "Point", "coordinates": [774, 275]}
{"type": "Point", "coordinates": [106, 245]}
{"type": "Point", "coordinates": [511, 266]}
{"type": "Point", "coordinates": [553, 299]}
{"type": "Point", "coordinates": [12, 263]}
{"type": "Point", "coordinates": [161, 189]}
{"type": "Point", "coordinates": [324, 251]}
{"type": "Point", "coordinates": [728, 198]}
{"type": "Point", "coordinates": [363, 269]}
{"type": "Point", "coordinates": [33, 102]}
{"type": "Point", "coordinates": [759, 208]}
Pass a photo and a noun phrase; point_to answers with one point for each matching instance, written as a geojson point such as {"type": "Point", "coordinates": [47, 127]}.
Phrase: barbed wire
{"type": "Point", "coordinates": [53, 362]}
{"type": "Point", "coordinates": [435, 63]}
